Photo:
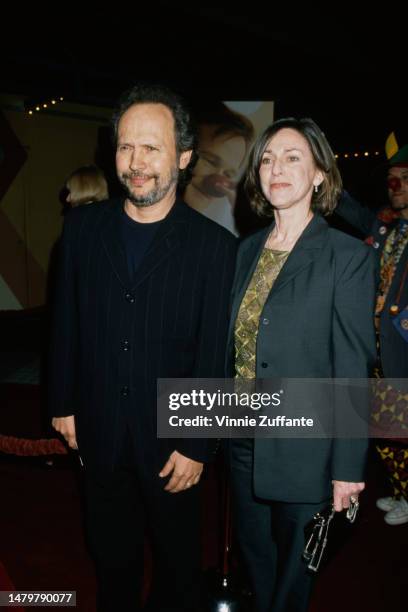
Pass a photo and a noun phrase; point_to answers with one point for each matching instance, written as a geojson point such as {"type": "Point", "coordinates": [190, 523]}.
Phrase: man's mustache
{"type": "Point", "coordinates": [138, 174]}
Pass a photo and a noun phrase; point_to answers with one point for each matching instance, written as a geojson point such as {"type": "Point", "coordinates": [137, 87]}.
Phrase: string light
{"type": "Point", "coordinates": [357, 155]}
{"type": "Point", "coordinates": [53, 102]}
{"type": "Point", "coordinates": [44, 105]}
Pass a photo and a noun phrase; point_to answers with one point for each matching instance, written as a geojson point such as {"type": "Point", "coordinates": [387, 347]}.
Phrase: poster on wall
{"type": "Point", "coordinates": [226, 132]}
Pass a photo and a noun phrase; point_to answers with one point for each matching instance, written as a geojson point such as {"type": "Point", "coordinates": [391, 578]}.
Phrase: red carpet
{"type": "Point", "coordinates": [42, 547]}
{"type": "Point", "coordinates": [7, 585]}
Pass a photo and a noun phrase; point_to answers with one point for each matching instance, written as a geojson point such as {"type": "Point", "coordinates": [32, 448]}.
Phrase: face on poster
{"type": "Point", "coordinates": [226, 133]}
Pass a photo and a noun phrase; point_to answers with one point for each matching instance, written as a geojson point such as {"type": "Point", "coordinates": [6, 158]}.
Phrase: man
{"type": "Point", "coordinates": [387, 232]}
{"type": "Point", "coordinates": [143, 293]}
{"type": "Point", "coordinates": [224, 140]}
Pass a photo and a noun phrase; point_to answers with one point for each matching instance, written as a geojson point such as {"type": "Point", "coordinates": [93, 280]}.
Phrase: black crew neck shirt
{"type": "Point", "coordinates": [136, 238]}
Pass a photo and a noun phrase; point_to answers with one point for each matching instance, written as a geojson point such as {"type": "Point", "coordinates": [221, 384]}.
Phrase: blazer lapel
{"type": "Point", "coordinates": [165, 242]}
{"type": "Point", "coordinates": [305, 251]}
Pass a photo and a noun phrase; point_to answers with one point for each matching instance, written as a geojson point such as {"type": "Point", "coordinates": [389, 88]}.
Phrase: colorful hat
{"type": "Point", "coordinates": [396, 152]}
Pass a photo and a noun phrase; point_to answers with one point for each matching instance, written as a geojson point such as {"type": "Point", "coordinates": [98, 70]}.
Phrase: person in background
{"type": "Point", "coordinates": [86, 185]}
{"type": "Point", "coordinates": [302, 308]}
{"type": "Point", "coordinates": [224, 139]}
{"type": "Point", "coordinates": [387, 234]}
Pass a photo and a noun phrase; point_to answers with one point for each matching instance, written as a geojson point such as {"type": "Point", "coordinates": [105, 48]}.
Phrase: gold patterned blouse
{"type": "Point", "coordinates": [268, 267]}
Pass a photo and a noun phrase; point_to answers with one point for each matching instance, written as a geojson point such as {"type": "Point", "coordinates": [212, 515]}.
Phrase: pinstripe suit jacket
{"type": "Point", "coordinates": [112, 338]}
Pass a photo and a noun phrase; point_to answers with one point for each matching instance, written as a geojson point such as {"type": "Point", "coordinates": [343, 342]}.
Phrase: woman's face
{"type": "Point", "coordinates": [288, 173]}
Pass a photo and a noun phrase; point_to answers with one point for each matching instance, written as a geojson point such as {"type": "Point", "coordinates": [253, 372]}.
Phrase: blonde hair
{"type": "Point", "coordinates": [87, 184]}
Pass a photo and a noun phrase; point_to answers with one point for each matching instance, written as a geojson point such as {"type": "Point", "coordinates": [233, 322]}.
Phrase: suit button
{"type": "Point", "coordinates": [129, 297]}
{"type": "Point", "coordinates": [125, 345]}
{"type": "Point", "coordinates": [265, 321]}
{"type": "Point", "coordinates": [124, 391]}
{"type": "Point", "coordinates": [264, 364]}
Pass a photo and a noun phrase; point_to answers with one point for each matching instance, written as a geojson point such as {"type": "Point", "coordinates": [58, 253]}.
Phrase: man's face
{"type": "Point", "coordinates": [218, 168]}
{"type": "Point", "coordinates": [146, 158]}
{"type": "Point", "coordinates": [397, 181]}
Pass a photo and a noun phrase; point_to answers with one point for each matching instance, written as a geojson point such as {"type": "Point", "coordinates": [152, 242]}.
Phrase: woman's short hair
{"type": "Point", "coordinates": [87, 184]}
{"type": "Point", "coordinates": [325, 200]}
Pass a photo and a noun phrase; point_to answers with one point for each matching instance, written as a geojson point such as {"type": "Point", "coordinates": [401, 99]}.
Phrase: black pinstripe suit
{"type": "Point", "coordinates": [113, 338]}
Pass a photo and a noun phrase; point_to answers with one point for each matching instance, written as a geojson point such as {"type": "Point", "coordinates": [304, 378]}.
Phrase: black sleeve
{"type": "Point", "coordinates": [210, 359]}
{"type": "Point", "coordinates": [354, 355]}
{"type": "Point", "coordinates": [359, 216]}
{"type": "Point", "coordinates": [63, 353]}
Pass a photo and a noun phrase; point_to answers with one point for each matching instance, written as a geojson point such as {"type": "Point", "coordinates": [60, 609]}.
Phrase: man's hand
{"type": "Point", "coordinates": [343, 491]}
{"type": "Point", "coordinates": [186, 472]}
{"type": "Point", "coordinates": [66, 427]}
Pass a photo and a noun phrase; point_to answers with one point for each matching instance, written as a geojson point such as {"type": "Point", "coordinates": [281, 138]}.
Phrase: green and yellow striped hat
{"type": "Point", "coordinates": [396, 150]}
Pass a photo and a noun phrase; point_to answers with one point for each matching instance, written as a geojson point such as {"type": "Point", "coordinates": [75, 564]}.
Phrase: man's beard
{"type": "Point", "coordinates": [156, 194]}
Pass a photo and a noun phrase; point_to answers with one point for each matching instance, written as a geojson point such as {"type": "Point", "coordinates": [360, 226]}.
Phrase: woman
{"type": "Point", "coordinates": [86, 185]}
{"type": "Point", "coordinates": [302, 308]}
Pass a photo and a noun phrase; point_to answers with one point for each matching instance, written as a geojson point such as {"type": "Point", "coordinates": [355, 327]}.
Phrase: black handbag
{"type": "Point", "coordinates": [317, 534]}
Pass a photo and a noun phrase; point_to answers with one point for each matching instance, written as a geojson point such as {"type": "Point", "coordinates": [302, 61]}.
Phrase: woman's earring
{"type": "Point", "coordinates": [316, 189]}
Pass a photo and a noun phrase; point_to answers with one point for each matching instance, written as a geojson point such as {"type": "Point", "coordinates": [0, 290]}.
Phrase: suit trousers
{"type": "Point", "coordinates": [271, 538]}
{"type": "Point", "coordinates": [120, 507]}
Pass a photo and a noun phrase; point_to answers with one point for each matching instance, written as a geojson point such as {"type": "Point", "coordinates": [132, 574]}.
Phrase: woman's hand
{"type": "Point", "coordinates": [344, 491]}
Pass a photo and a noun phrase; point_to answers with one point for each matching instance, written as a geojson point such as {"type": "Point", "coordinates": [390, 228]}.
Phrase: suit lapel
{"type": "Point", "coordinates": [112, 242]}
{"type": "Point", "coordinates": [304, 253]}
{"type": "Point", "coordinates": [306, 250]}
{"type": "Point", "coordinates": [165, 242]}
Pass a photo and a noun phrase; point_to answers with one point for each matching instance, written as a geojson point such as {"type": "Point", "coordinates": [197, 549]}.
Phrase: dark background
{"type": "Point", "coordinates": [346, 72]}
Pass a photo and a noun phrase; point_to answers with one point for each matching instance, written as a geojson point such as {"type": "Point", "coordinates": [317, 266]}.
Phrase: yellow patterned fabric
{"type": "Point", "coordinates": [396, 462]}
{"type": "Point", "coordinates": [269, 265]}
{"type": "Point", "coordinates": [390, 258]}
